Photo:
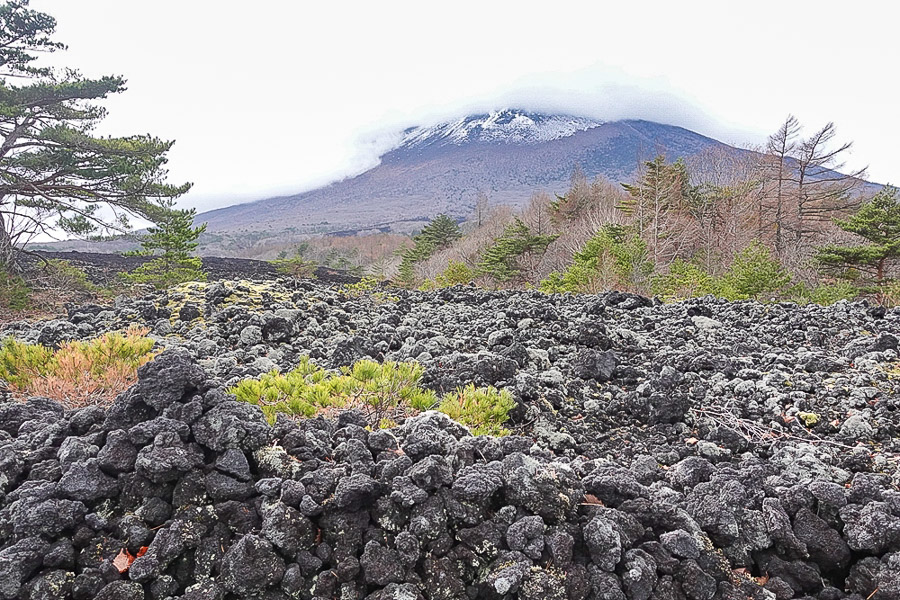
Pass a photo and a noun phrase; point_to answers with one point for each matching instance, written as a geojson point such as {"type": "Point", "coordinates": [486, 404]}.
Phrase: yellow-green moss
{"type": "Point", "coordinates": [809, 419]}
{"type": "Point", "coordinates": [250, 296]}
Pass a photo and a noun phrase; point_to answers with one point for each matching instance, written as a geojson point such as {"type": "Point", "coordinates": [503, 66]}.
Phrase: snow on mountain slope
{"type": "Point", "coordinates": [509, 126]}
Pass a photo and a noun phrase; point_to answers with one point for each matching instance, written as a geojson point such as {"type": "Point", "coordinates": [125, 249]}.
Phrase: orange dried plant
{"type": "Point", "coordinates": [80, 372]}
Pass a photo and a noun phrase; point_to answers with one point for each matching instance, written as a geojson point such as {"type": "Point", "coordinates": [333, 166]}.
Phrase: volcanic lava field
{"type": "Point", "coordinates": [696, 450]}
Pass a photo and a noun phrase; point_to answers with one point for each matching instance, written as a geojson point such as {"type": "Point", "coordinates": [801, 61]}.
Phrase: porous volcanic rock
{"type": "Point", "coordinates": [655, 455]}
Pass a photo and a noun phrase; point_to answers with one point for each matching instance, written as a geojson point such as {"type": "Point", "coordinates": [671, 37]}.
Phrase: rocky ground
{"type": "Point", "coordinates": [699, 450]}
{"type": "Point", "coordinates": [104, 268]}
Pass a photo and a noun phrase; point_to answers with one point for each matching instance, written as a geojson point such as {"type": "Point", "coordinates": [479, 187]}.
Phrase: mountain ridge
{"type": "Point", "coordinates": [503, 126]}
{"type": "Point", "coordinates": [506, 155]}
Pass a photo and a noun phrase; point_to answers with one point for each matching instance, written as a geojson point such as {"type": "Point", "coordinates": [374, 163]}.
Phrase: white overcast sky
{"type": "Point", "coordinates": [278, 96]}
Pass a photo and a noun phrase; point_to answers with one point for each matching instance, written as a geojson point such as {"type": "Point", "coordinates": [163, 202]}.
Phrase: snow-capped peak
{"type": "Point", "coordinates": [504, 126]}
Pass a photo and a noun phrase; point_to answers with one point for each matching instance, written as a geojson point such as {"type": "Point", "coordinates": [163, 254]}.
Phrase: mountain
{"type": "Point", "coordinates": [502, 127]}
{"type": "Point", "coordinates": [506, 154]}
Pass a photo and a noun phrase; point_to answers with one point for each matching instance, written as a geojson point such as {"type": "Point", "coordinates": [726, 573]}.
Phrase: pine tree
{"type": "Point", "coordinates": [754, 274]}
{"type": "Point", "coordinates": [171, 243]}
{"type": "Point", "coordinates": [877, 222]}
{"type": "Point", "coordinates": [441, 232]}
{"type": "Point", "coordinates": [55, 174]}
{"type": "Point", "coordinates": [500, 260]}
{"type": "Point", "coordinates": [615, 257]}
{"type": "Point", "coordinates": [437, 235]}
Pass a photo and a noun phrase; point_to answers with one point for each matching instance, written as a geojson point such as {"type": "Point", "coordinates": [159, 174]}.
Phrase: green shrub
{"type": "Point", "coordinates": [61, 274]}
{"type": "Point", "coordinates": [683, 280]}
{"type": "Point", "coordinates": [825, 294]}
{"type": "Point", "coordinates": [456, 273]}
{"type": "Point", "coordinates": [297, 267]}
{"type": "Point", "coordinates": [364, 286]}
{"type": "Point", "coordinates": [890, 294]}
{"type": "Point", "coordinates": [560, 283]}
{"type": "Point", "coordinates": [22, 363]}
{"type": "Point", "coordinates": [500, 260]}
{"type": "Point", "coordinates": [382, 390]}
{"type": "Point", "coordinates": [614, 257]}
{"type": "Point", "coordinates": [753, 273]}
{"type": "Point", "coordinates": [440, 233]}
{"type": "Point", "coordinates": [309, 389]}
{"type": "Point", "coordinates": [14, 292]}
{"type": "Point", "coordinates": [162, 274]}
{"type": "Point", "coordinates": [483, 410]}
{"type": "Point", "coordinates": [79, 372]}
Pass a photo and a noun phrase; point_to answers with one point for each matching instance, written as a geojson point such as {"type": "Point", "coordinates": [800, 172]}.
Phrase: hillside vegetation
{"type": "Point", "coordinates": [782, 224]}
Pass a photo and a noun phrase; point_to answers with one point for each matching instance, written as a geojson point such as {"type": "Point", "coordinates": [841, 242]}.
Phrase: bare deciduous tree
{"type": "Point", "coordinates": [802, 188]}
{"type": "Point", "coordinates": [779, 153]}
{"type": "Point", "coordinates": [822, 191]}
{"type": "Point", "coordinates": [481, 209]}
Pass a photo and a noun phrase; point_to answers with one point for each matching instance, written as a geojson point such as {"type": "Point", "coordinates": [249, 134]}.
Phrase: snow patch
{"type": "Point", "coordinates": [505, 126]}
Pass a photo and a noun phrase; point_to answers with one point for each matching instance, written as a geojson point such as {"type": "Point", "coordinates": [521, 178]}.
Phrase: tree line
{"type": "Point", "coordinates": [781, 221]}
{"type": "Point", "coordinates": [784, 221]}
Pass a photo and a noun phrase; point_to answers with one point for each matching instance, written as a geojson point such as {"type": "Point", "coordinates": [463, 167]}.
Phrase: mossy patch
{"type": "Point", "coordinates": [809, 419]}
{"type": "Point", "coordinates": [255, 296]}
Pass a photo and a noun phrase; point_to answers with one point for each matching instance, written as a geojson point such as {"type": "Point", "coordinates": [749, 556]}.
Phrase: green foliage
{"type": "Point", "coordinates": [171, 242]}
{"type": "Point", "coordinates": [683, 280]}
{"type": "Point", "coordinates": [456, 273]}
{"type": "Point", "coordinates": [54, 171]}
{"type": "Point", "coordinates": [877, 222]}
{"type": "Point", "coordinates": [382, 389]}
{"type": "Point", "coordinates": [364, 286]}
{"type": "Point", "coordinates": [753, 274]}
{"type": "Point", "coordinates": [437, 235]}
{"type": "Point", "coordinates": [483, 410]}
{"type": "Point", "coordinates": [890, 294]}
{"type": "Point", "coordinates": [61, 274]}
{"type": "Point", "coordinates": [162, 275]}
{"type": "Point", "coordinates": [309, 389]}
{"type": "Point", "coordinates": [15, 294]}
{"type": "Point", "coordinates": [345, 260]}
{"type": "Point", "coordinates": [79, 372]}
{"type": "Point", "coordinates": [825, 294]}
{"type": "Point", "coordinates": [131, 348]}
{"type": "Point", "coordinates": [297, 267]}
{"type": "Point", "coordinates": [500, 259]}
{"type": "Point", "coordinates": [662, 187]}
{"type": "Point", "coordinates": [21, 363]}
{"type": "Point", "coordinates": [440, 232]}
{"type": "Point", "coordinates": [614, 257]}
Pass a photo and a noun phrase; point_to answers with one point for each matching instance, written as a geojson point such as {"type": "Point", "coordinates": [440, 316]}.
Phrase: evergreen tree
{"type": "Point", "coordinates": [613, 258]}
{"type": "Point", "coordinates": [437, 235]}
{"type": "Point", "coordinates": [441, 232]}
{"type": "Point", "coordinates": [500, 259]}
{"type": "Point", "coordinates": [683, 280]}
{"type": "Point", "coordinates": [877, 222]}
{"type": "Point", "coordinates": [55, 175]}
{"type": "Point", "coordinates": [171, 242]}
{"type": "Point", "coordinates": [754, 273]}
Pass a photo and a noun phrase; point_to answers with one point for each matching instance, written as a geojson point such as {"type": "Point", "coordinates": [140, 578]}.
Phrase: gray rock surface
{"type": "Point", "coordinates": [658, 452]}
